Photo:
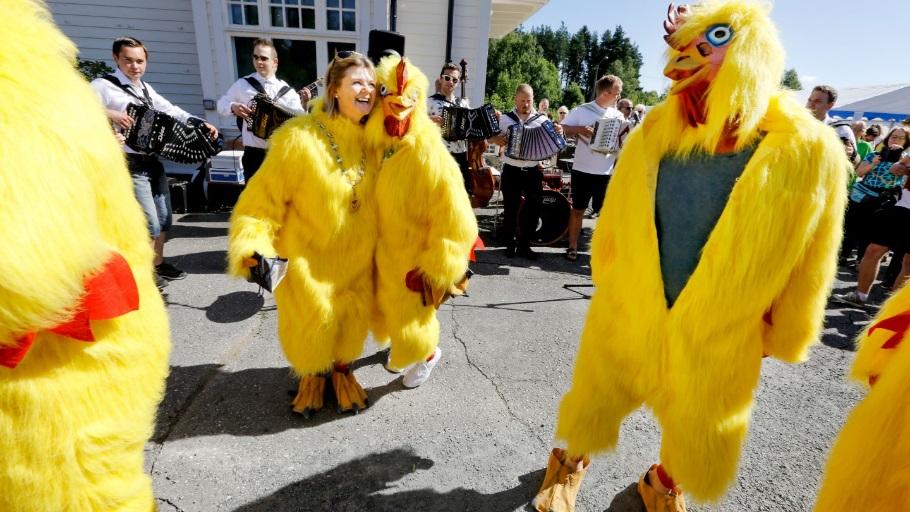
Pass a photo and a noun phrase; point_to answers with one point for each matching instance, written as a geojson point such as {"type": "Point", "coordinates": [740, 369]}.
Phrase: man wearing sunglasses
{"type": "Point", "coordinates": [237, 99]}
{"type": "Point", "coordinates": [448, 79]}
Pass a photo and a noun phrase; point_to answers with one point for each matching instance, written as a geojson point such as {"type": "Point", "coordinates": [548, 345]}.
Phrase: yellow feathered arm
{"type": "Point", "coordinates": [259, 211]}
{"type": "Point", "coordinates": [54, 224]}
{"type": "Point", "coordinates": [868, 467]}
{"type": "Point", "coordinates": [796, 315]}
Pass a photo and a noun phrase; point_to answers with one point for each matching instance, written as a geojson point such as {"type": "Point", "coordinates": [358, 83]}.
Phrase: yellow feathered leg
{"type": "Point", "coordinates": [309, 395]}
{"type": "Point", "coordinates": [561, 482]}
{"type": "Point", "coordinates": [348, 392]}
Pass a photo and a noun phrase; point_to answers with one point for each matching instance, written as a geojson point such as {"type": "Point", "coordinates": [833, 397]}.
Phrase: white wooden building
{"type": "Point", "coordinates": [198, 48]}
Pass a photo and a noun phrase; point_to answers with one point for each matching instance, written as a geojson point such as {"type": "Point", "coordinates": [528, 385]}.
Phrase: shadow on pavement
{"type": "Point", "coordinates": [207, 262]}
{"type": "Point", "coordinates": [231, 307]}
{"type": "Point", "coordinates": [183, 231]}
{"type": "Point", "coordinates": [250, 402]}
{"type": "Point", "coordinates": [627, 500]}
{"type": "Point", "coordinates": [205, 217]}
{"type": "Point", "coordinates": [354, 486]}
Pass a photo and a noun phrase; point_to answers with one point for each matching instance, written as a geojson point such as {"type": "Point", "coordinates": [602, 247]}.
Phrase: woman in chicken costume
{"type": "Point", "coordinates": [312, 202]}
{"type": "Point", "coordinates": [427, 228]}
{"type": "Point", "coordinates": [716, 247]}
{"type": "Point", "coordinates": [868, 468]}
{"type": "Point", "coordinates": [83, 331]}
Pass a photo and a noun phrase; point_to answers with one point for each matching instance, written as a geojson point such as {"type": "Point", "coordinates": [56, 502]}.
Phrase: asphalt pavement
{"type": "Point", "coordinates": [476, 436]}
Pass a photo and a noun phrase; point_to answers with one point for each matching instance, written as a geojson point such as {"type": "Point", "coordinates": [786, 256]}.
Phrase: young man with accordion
{"type": "Point", "coordinates": [600, 129]}
{"type": "Point", "coordinates": [152, 126]}
{"type": "Point", "coordinates": [436, 104]}
{"type": "Point", "coordinates": [261, 102]}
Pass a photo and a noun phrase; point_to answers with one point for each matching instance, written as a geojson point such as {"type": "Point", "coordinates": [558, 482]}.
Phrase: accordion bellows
{"type": "Point", "coordinates": [534, 142]}
{"type": "Point", "coordinates": [460, 123]}
{"type": "Point", "coordinates": [157, 133]}
{"type": "Point", "coordinates": [266, 116]}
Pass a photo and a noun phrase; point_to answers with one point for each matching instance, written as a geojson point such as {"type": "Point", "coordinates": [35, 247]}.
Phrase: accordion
{"type": "Point", "coordinates": [609, 135]}
{"type": "Point", "coordinates": [266, 116]}
{"type": "Point", "coordinates": [469, 123]}
{"type": "Point", "coordinates": [534, 143]}
{"type": "Point", "coordinates": [157, 133]}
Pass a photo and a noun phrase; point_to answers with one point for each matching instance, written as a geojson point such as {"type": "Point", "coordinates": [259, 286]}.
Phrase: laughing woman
{"type": "Point", "coordinates": [311, 202]}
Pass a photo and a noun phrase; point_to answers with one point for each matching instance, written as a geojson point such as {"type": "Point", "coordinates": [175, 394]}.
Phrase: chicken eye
{"type": "Point", "coordinates": [719, 35]}
{"type": "Point", "coordinates": [383, 91]}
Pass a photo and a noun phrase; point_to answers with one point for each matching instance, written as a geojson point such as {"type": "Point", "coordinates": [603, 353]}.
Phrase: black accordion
{"type": "Point", "coordinates": [266, 116]}
{"type": "Point", "coordinates": [157, 133]}
{"type": "Point", "coordinates": [535, 142]}
{"type": "Point", "coordinates": [460, 123]}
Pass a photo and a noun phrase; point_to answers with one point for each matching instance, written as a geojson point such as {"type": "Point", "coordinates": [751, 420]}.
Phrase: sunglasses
{"type": "Point", "coordinates": [261, 57]}
{"type": "Point", "coordinates": [449, 78]}
{"type": "Point", "coordinates": [344, 54]}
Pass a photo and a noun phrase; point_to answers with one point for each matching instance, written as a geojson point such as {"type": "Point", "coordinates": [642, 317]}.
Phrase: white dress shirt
{"type": "Point", "coordinates": [242, 92]}
{"type": "Point", "coordinates": [115, 98]}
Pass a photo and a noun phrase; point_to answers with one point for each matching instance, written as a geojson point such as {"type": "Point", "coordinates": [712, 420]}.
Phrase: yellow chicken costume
{"type": "Point", "coordinates": [83, 332]}
{"type": "Point", "coordinates": [312, 203]}
{"type": "Point", "coordinates": [869, 469]}
{"type": "Point", "coordinates": [717, 245]}
{"type": "Point", "coordinates": [426, 225]}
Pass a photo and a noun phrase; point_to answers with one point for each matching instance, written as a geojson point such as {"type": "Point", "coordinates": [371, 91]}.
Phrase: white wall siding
{"type": "Point", "coordinates": [165, 26]}
{"type": "Point", "coordinates": [423, 23]}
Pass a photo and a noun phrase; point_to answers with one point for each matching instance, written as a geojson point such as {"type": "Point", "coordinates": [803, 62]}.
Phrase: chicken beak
{"type": "Point", "coordinates": [398, 107]}
{"type": "Point", "coordinates": [688, 65]}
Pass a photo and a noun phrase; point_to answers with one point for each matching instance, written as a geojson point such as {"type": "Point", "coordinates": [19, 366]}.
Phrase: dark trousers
{"type": "Point", "coordinates": [462, 159]}
{"type": "Point", "coordinates": [252, 160]}
{"type": "Point", "coordinates": [856, 228]}
{"type": "Point", "coordinates": [515, 183]}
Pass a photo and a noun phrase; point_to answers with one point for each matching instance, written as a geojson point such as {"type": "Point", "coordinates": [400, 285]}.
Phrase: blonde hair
{"type": "Point", "coordinates": [335, 74]}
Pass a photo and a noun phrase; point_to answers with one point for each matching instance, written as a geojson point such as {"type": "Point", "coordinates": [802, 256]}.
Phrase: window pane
{"type": "Point", "coordinates": [310, 3]}
{"type": "Point", "coordinates": [243, 49]}
{"type": "Point", "coordinates": [277, 17]}
{"type": "Point", "coordinates": [332, 21]}
{"type": "Point", "coordinates": [348, 4]}
{"type": "Point", "coordinates": [298, 61]}
{"type": "Point", "coordinates": [290, 2]}
{"type": "Point", "coordinates": [348, 20]}
{"type": "Point", "coordinates": [236, 14]}
{"type": "Point", "coordinates": [331, 3]}
{"type": "Point", "coordinates": [252, 14]}
{"type": "Point", "coordinates": [293, 17]}
{"type": "Point", "coordinates": [308, 18]}
{"type": "Point", "coordinates": [276, 1]}
{"type": "Point", "coordinates": [340, 47]}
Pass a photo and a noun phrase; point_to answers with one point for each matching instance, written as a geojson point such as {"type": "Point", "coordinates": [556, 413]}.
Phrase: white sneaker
{"type": "Point", "coordinates": [420, 372]}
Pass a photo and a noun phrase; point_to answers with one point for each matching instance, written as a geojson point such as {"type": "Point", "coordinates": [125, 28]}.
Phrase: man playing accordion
{"type": "Point", "coordinates": [445, 97]}
{"type": "Point", "coordinates": [236, 101]}
{"type": "Point", "coordinates": [118, 91]}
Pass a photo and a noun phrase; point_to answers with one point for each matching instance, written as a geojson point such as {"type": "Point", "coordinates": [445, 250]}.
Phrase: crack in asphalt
{"type": "Point", "coordinates": [230, 356]}
{"type": "Point", "coordinates": [499, 392]}
{"type": "Point", "coordinates": [165, 500]}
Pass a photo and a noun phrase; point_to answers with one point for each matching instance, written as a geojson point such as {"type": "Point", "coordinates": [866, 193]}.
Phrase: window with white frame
{"type": "Point", "coordinates": [293, 13]}
{"type": "Point", "coordinates": [243, 12]}
{"type": "Point", "coordinates": [341, 15]}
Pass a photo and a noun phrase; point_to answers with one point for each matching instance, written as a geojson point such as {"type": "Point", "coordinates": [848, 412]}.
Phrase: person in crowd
{"type": "Point", "coordinates": [448, 80]}
{"type": "Point", "coordinates": [236, 101]}
{"type": "Point", "coordinates": [561, 113]}
{"type": "Point", "coordinates": [312, 203]}
{"type": "Point", "coordinates": [876, 188]}
{"type": "Point", "coordinates": [520, 178]}
{"type": "Point", "coordinates": [638, 114]}
{"type": "Point", "coordinates": [625, 107]}
{"type": "Point", "coordinates": [544, 108]}
{"type": "Point", "coordinates": [590, 170]}
{"type": "Point", "coordinates": [118, 90]}
{"type": "Point", "coordinates": [858, 128]}
{"type": "Point", "coordinates": [887, 231]}
{"type": "Point", "coordinates": [864, 141]}
{"type": "Point", "coordinates": [821, 100]}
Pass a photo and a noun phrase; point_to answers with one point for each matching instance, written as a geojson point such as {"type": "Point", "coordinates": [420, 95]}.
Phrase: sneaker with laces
{"type": "Point", "coordinates": [851, 299]}
{"type": "Point", "coordinates": [169, 272]}
{"type": "Point", "coordinates": [420, 372]}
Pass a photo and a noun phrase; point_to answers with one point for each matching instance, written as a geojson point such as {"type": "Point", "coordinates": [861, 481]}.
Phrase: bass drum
{"type": "Point", "coordinates": [554, 218]}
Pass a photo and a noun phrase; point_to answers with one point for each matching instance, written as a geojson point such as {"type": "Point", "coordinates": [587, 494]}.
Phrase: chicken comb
{"type": "Point", "coordinates": [676, 16]}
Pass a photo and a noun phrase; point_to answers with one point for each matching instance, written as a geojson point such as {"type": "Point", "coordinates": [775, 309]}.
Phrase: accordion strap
{"type": "Point", "coordinates": [129, 90]}
{"type": "Point", "coordinates": [514, 117]}
{"type": "Point", "coordinates": [258, 86]}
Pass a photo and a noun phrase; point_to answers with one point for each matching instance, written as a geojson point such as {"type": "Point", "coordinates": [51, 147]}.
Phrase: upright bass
{"type": "Point", "coordinates": [481, 175]}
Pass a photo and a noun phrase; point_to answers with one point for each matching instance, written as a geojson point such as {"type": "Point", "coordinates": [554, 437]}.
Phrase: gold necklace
{"type": "Point", "coordinates": [352, 176]}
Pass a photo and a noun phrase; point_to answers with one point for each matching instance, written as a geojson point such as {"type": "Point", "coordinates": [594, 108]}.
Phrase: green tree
{"type": "Point", "coordinates": [92, 69]}
{"type": "Point", "coordinates": [518, 58]}
{"type": "Point", "coordinates": [573, 96]}
{"type": "Point", "coordinates": [791, 80]}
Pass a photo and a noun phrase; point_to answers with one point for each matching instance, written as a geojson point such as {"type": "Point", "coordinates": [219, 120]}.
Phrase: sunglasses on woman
{"type": "Point", "coordinates": [344, 54]}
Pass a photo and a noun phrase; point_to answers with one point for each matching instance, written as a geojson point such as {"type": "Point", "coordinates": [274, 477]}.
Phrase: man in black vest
{"type": "Point", "coordinates": [237, 99]}
{"type": "Point", "coordinates": [445, 97]}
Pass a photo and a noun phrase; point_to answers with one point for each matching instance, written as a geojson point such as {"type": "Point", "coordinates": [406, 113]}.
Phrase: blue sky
{"type": "Point", "coordinates": [833, 42]}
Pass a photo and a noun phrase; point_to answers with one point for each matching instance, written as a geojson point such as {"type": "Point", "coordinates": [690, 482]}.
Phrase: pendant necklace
{"type": "Point", "coordinates": [353, 176]}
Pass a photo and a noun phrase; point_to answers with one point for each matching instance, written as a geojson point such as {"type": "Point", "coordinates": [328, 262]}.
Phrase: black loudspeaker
{"type": "Point", "coordinates": [383, 40]}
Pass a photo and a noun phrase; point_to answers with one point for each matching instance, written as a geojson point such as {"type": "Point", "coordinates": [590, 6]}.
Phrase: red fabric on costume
{"type": "Point", "coordinates": [664, 477]}
{"type": "Point", "coordinates": [109, 293]}
{"type": "Point", "coordinates": [397, 128]}
{"type": "Point", "coordinates": [478, 244]}
{"type": "Point", "coordinates": [898, 324]}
